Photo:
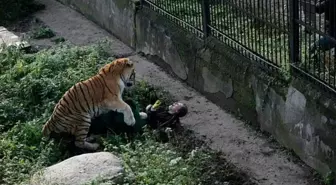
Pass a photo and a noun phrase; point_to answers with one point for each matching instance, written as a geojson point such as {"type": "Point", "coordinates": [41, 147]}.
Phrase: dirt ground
{"type": "Point", "coordinates": [251, 152]}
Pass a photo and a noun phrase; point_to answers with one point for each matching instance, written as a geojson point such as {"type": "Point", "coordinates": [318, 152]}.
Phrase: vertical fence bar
{"type": "Point", "coordinates": [294, 35]}
{"type": "Point", "coordinates": [206, 17]}
{"type": "Point", "coordinates": [142, 2]}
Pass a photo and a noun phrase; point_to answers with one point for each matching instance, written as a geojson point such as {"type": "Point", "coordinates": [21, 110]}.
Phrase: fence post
{"type": "Point", "coordinates": [206, 17]}
{"type": "Point", "coordinates": [294, 31]}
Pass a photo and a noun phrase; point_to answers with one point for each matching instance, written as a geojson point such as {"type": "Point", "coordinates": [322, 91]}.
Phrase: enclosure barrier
{"type": "Point", "coordinates": [284, 35]}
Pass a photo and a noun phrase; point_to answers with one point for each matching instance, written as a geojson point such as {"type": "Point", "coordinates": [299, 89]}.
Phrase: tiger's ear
{"type": "Point", "coordinates": [129, 63]}
{"type": "Point", "coordinates": [105, 68]}
{"type": "Point", "coordinates": [101, 70]}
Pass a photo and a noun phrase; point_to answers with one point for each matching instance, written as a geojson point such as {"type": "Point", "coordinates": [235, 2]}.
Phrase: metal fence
{"type": "Point", "coordinates": [281, 34]}
{"type": "Point", "coordinates": [315, 27]}
{"type": "Point", "coordinates": [185, 13]}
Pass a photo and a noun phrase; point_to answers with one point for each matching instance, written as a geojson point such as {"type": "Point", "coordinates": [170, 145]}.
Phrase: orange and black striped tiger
{"type": "Point", "coordinates": [90, 98]}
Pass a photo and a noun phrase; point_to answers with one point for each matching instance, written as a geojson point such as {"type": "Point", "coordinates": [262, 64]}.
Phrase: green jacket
{"type": "Point", "coordinates": [115, 121]}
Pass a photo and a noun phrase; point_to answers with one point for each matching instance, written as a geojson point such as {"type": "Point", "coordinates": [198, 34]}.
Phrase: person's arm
{"type": "Point", "coordinates": [320, 7]}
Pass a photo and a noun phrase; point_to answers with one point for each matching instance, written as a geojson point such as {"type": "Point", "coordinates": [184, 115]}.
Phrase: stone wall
{"type": "Point", "coordinates": [117, 17]}
{"type": "Point", "coordinates": [299, 114]}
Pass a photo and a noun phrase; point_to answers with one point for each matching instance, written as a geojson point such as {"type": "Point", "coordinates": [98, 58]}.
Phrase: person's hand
{"type": "Point", "coordinates": [156, 104]}
{"type": "Point", "coordinates": [143, 115]}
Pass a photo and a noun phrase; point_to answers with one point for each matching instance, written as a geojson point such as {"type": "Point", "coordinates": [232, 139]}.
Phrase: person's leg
{"type": "Point", "coordinates": [323, 44]}
{"type": "Point", "coordinates": [327, 44]}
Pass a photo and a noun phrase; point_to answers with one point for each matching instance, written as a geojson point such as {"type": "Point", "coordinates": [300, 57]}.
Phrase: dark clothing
{"type": "Point", "coordinates": [328, 7]}
{"type": "Point", "coordinates": [114, 121]}
{"type": "Point", "coordinates": [324, 44]}
{"type": "Point", "coordinates": [162, 118]}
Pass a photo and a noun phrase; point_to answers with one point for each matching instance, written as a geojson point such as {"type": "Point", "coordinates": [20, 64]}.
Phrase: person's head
{"type": "Point", "coordinates": [178, 108]}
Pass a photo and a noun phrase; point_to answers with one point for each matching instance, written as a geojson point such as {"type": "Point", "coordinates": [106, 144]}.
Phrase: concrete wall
{"type": "Point", "coordinates": [298, 114]}
{"type": "Point", "coordinates": [115, 16]}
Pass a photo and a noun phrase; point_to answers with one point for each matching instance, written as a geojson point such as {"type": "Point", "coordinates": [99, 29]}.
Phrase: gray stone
{"type": "Point", "coordinates": [205, 54]}
{"type": "Point", "coordinates": [269, 105]}
{"type": "Point", "coordinates": [295, 106]}
{"type": "Point", "coordinates": [324, 119]}
{"type": "Point", "coordinates": [81, 169]}
{"type": "Point", "coordinates": [174, 59]}
{"type": "Point", "coordinates": [157, 44]}
{"type": "Point", "coordinates": [106, 13]}
{"type": "Point", "coordinates": [8, 39]}
{"type": "Point", "coordinates": [213, 84]}
{"type": "Point", "coordinates": [332, 122]}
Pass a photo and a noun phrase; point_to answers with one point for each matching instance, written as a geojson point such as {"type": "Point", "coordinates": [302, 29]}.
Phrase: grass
{"type": "Point", "coordinates": [31, 84]}
{"type": "Point", "coordinates": [12, 10]}
{"type": "Point", "coordinates": [147, 161]}
{"type": "Point", "coordinates": [43, 32]}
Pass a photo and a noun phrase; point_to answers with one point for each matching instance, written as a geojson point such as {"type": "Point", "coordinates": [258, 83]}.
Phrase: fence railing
{"type": "Point", "coordinates": [282, 34]}
{"type": "Point", "coordinates": [316, 43]}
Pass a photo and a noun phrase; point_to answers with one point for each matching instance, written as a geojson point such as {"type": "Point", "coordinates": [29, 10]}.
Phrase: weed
{"type": "Point", "coordinates": [147, 161]}
{"type": "Point", "coordinates": [42, 32]}
{"type": "Point", "coordinates": [330, 178]}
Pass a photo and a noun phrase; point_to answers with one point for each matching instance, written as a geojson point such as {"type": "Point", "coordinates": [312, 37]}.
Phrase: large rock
{"type": "Point", "coordinates": [8, 39]}
{"type": "Point", "coordinates": [81, 169]}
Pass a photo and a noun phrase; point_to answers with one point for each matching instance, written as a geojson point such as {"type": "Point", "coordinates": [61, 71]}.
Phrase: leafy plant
{"type": "Point", "coordinates": [330, 178]}
{"type": "Point", "coordinates": [42, 32]}
{"type": "Point", "coordinates": [147, 161]}
{"type": "Point", "coordinates": [43, 77]}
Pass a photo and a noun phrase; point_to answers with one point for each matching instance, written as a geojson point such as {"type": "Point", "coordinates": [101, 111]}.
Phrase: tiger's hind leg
{"type": "Point", "coordinates": [81, 137]}
{"type": "Point", "coordinates": [93, 137]}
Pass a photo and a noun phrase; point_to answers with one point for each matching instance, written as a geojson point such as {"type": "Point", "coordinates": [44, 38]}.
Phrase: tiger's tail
{"type": "Point", "coordinates": [46, 129]}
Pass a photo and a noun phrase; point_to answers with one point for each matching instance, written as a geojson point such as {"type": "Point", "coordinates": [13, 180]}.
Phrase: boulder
{"type": "Point", "coordinates": [8, 38]}
{"type": "Point", "coordinates": [81, 169]}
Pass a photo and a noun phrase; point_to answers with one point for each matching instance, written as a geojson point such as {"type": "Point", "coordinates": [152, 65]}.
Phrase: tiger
{"type": "Point", "coordinates": [90, 98]}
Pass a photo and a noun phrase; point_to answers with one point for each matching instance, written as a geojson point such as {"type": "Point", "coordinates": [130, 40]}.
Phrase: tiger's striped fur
{"type": "Point", "coordinates": [90, 98]}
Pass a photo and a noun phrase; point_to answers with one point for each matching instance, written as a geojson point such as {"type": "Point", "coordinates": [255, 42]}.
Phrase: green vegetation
{"type": "Point", "coordinates": [31, 84]}
{"type": "Point", "coordinates": [12, 10]}
{"type": "Point", "coordinates": [330, 178]}
{"type": "Point", "coordinates": [147, 161]}
{"type": "Point", "coordinates": [43, 32]}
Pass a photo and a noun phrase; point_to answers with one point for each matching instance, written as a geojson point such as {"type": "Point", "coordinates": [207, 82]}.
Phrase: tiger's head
{"type": "Point", "coordinates": [122, 68]}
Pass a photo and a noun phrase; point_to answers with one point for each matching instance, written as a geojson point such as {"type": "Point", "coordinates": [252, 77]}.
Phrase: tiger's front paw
{"type": "Point", "coordinates": [143, 115]}
{"type": "Point", "coordinates": [130, 120]}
